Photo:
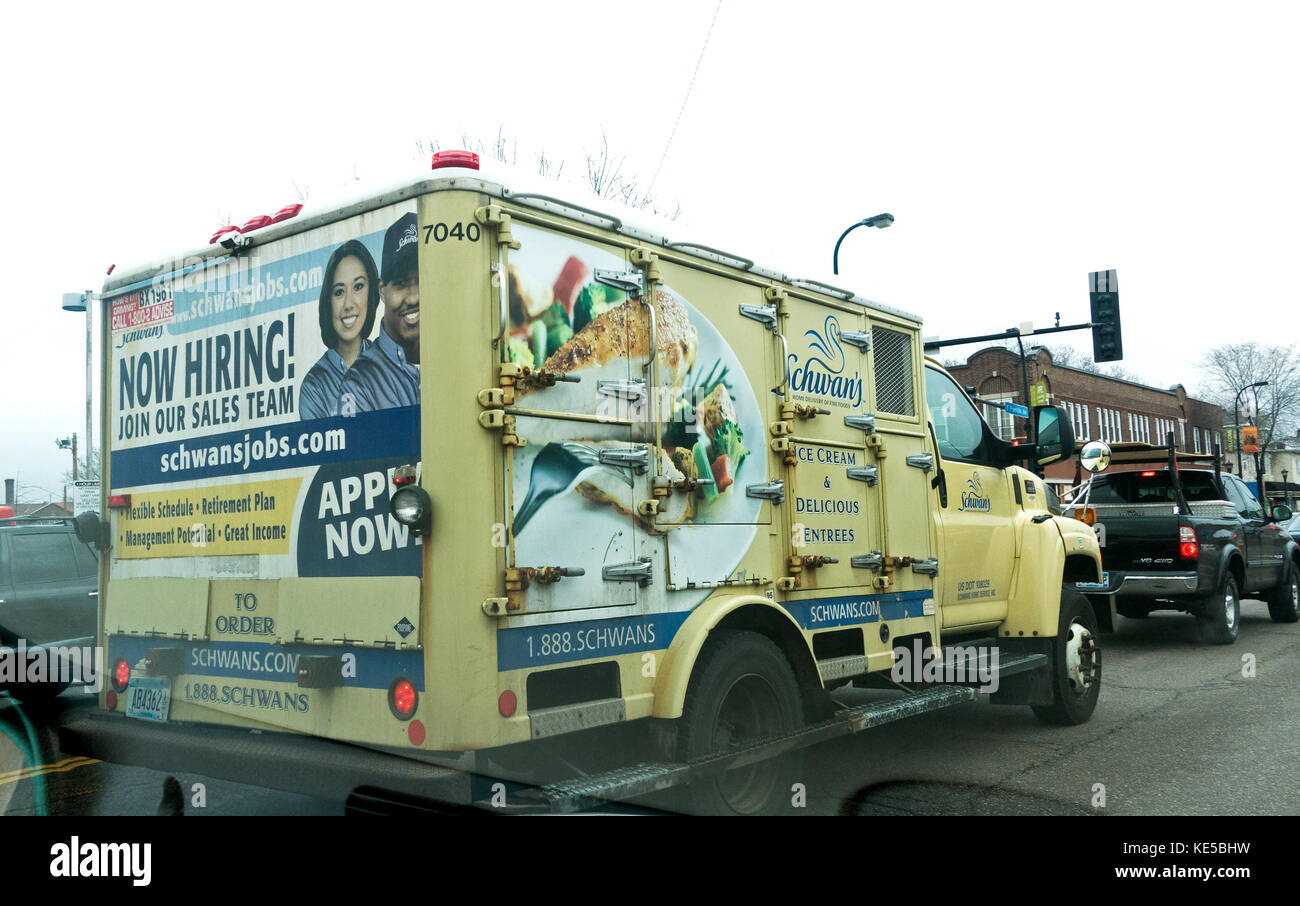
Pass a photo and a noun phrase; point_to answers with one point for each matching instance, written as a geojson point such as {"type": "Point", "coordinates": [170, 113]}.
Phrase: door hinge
{"type": "Point", "coordinates": [922, 461]}
{"type": "Point", "coordinates": [765, 314]}
{"type": "Point", "coordinates": [494, 215]}
{"type": "Point", "coordinates": [860, 339]}
{"type": "Point", "coordinates": [927, 567]}
{"type": "Point", "coordinates": [866, 421]}
{"type": "Point", "coordinates": [874, 560]}
{"type": "Point", "coordinates": [630, 282]}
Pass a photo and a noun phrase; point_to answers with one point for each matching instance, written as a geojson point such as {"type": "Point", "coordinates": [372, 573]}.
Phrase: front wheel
{"type": "Point", "coordinates": [1284, 602]}
{"type": "Point", "coordinates": [1221, 614]}
{"type": "Point", "coordinates": [743, 690]}
{"type": "Point", "coordinates": [1076, 664]}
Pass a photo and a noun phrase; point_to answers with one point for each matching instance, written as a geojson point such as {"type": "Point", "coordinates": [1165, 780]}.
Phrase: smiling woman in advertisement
{"type": "Point", "coordinates": [349, 300]}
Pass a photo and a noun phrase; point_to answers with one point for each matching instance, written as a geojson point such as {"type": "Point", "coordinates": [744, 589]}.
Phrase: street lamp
{"type": "Point", "coordinates": [69, 443]}
{"type": "Point", "coordinates": [81, 302]}
{"type": "Point", "coordinates": [880, 221]}
{"type": "Point", "coordinates": [1236, 417]}
{"type": "Point", "coordinates": [1286, 491]}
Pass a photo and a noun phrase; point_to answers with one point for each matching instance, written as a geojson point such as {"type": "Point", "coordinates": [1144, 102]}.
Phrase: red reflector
{"type": "Point", "coordinates": [221, 232]}
{"type": "Point", "coordinates": [507, 703]}
{"type": "Point", "coordinates": [466, 159]}
{"type": "Point", "coordinates": [1148, 474]}
{"type": "Point", "coordinates": [401, 699]}
{"type": "Point", "coordinates": [111, 700]}
{"type": "Point", "coordinates": [1187, 550]}
{"type": "Point", "coordinates": [256, 223]}
{"type": "Point", "coordinates": [119, 501]}
{"type": "Point", "coordinates": [415, 733]}
{"type": "Point", "coordinates": [121, 675]}
{"type": "Point", "coordinates": [111, 266]}
{"type": "Point", "coordinates": [287, 212]}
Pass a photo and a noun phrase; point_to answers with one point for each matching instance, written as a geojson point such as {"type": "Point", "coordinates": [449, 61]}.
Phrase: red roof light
{"type": "Point", "coordinates": [465, 159]}
{"type": "Point", "coordinates": [287, 212]}
{"type": "Point", "coordinates": [256, 223]}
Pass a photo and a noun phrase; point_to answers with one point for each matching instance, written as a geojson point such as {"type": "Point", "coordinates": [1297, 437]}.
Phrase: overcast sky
{"type": "Point", "coordinates": [1019, 146]}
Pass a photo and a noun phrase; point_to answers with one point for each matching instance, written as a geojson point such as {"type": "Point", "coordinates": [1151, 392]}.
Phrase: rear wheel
{"type": "Point", "coordinates": [742, 690]}
{"type": "Point", "coordinates": [1221, 614]}
{"type": "Point", "coordinates": [1076, 664]}
{"type": "Point", "coordinates": [1284, 602]}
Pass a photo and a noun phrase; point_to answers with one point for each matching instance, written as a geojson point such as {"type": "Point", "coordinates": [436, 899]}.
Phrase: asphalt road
{"type": "Point", "coordinates": [1179, 730]}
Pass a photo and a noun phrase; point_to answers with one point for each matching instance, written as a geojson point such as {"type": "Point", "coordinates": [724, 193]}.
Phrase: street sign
{"type": "Point", "coordinates": [1016, 409]}
{"type": "Point", "coordinates": [1038, 394]}
{"type": "Point", "coordinates": [86, 498]}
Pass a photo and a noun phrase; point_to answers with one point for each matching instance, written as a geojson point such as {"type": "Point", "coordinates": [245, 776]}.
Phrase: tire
{"type": "Point", "coordinates": [1220, 616]}
{"type": "Point", "coordinates": [1076, 664]}
{"type": "Point", "coordinates": [1284, 602]}
{"type": "Point", "coordinates": [742, 689]}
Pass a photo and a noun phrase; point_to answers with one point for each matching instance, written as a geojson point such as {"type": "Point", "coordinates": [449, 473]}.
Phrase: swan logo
{"type": "Point", "coordinates": [973, 497]}
{"type": "Point", "coordinates": [822, 371]}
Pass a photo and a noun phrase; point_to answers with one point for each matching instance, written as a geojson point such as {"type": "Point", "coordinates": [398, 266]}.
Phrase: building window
{"type": "Point", "coordinates": [1002, 422]}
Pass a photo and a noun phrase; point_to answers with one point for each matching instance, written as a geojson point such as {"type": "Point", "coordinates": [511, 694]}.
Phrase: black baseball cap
{"type": "Point", "coordinates": [401, 244]}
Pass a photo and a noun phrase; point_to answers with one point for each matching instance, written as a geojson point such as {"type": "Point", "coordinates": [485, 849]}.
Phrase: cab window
{"type": "Point", "coordinates": [958, 429]}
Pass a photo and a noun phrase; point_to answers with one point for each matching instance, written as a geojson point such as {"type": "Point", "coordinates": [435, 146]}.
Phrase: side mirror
{"type": "Point", "coordinates": [1281, 513]}
{"type": "Point", "coordinates": [1095, 456]}
{"type": "Point", "coordinates": [1055, 434]}
{"type": "Point", "coordinates": [88, 528]}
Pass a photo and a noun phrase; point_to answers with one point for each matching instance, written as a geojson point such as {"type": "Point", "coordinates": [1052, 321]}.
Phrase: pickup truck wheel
{"type": "Point", "coordinates": [742, 690]}
{"type": "Point", "coordinates": [1221, 614]}
{"type": "Point", "coordinates": [1284, 602]}
{"type": "Point", "coordinates": [1076, 677]}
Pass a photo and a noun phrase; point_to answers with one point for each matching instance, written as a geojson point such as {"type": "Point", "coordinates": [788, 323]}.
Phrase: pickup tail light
{"type": "Point", "coordinates": [1187, 546]}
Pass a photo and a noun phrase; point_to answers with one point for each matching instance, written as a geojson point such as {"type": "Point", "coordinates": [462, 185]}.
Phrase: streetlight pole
{"type": "Point", "coordinates": [1236, 417]}
{"type": "Point", "coordinates": [880, 221]}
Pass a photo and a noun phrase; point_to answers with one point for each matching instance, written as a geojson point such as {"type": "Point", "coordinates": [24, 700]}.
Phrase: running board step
{"type": "Point", "coordinates": [642, 779]}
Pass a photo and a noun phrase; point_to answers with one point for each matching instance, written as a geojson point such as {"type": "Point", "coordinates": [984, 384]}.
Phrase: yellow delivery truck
{"type": "Point", "coordinates": [455, 468]}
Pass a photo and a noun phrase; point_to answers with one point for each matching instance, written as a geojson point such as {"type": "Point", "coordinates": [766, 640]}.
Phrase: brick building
{"type": "Point", "coordinates": [1101, 408]}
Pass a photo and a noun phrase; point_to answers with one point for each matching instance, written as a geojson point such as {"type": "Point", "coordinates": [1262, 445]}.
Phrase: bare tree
{"type": "Point", "coordinates": [605, 174]}
{"type": "Point", "coordinates": [1230, 368]}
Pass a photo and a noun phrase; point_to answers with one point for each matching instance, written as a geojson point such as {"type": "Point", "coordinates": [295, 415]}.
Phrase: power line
{"type": "Point", "coordinates": [682, 109]}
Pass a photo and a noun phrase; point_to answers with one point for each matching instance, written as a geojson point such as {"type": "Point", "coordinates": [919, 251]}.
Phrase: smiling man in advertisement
{"type": "Point", "coordinates": [388, 374]}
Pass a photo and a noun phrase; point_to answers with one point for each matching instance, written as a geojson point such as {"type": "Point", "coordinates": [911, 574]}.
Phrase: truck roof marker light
{"type": "Point", "coordinates": [121, 674]}
{"type": "Point", "coordinates": [402, 698]}
{"type": "Point", "coordinates": [119, 501]}
{"type": "Point", "coordinates": [415, 732]}
{"type": "Point", "coordinates": [507, 703]}
{"type": "Point", "coordinates": [467, 160]}
{"type": "Point", "coordinates": [288, 212]}
{"type": "Point", "coordinates": [255, 223]}
{"type": "Point", "coordinates": [216, 237]}
{"type": "Point", "coordinates": [109, 272]}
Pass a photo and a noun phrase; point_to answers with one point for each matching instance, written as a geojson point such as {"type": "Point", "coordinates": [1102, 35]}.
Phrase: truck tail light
{"type": "Point", "coordinates": [402, 698]}
{"type": "Point", "coordinates": [465, 159]}
{"type": "Point", "coordinates": [121, 675]}
{"type": "Point", "coordinates": [1187, 546]}
{"type": "Point", "coordinates": [119, 501]}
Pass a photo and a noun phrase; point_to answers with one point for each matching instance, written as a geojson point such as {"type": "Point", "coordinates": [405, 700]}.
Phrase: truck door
{"type": "Point", "coordinates": [1263, 542]}
{"type": "Point", "coordinates": [977, 544]}
{"type": "Point", "coordinates": [570, 490]}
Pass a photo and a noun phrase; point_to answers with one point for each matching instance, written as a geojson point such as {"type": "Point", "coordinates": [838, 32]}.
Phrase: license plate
{"type": "Point", "coordinates": [149, 698]}
{"type": "Point", "coordinates": [1104, 583]}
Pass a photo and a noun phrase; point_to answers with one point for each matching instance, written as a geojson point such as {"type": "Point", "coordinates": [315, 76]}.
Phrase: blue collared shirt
{"type": "Point", "coordinates": [319, 394]}
{"type": "Point", "coordinates": [380, 379]}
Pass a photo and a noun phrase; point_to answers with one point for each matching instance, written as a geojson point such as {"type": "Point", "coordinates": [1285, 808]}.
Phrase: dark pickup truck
{"type": "Point", "coordinates": [1178, 537]}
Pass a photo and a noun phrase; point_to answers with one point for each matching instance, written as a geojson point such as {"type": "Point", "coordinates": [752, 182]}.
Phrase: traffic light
{"type": "Point", "coordinates": [1107, 344]}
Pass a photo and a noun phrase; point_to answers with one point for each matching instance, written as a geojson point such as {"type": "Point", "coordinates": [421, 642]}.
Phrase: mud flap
{"type": "Point", "coordinates": [1032, 687]}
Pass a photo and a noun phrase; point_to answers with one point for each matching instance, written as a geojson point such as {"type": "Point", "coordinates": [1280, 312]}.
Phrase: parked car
{"type": "Point", "coordinates": [1190, 539]}
{"type": "Point", "coordinates": [49, 585]}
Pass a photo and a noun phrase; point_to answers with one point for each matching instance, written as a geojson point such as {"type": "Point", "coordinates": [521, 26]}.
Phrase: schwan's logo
{"type": "Point", "coordinates": [973, 497]}
{"type": "Point", "coordinates": [822, 372]}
